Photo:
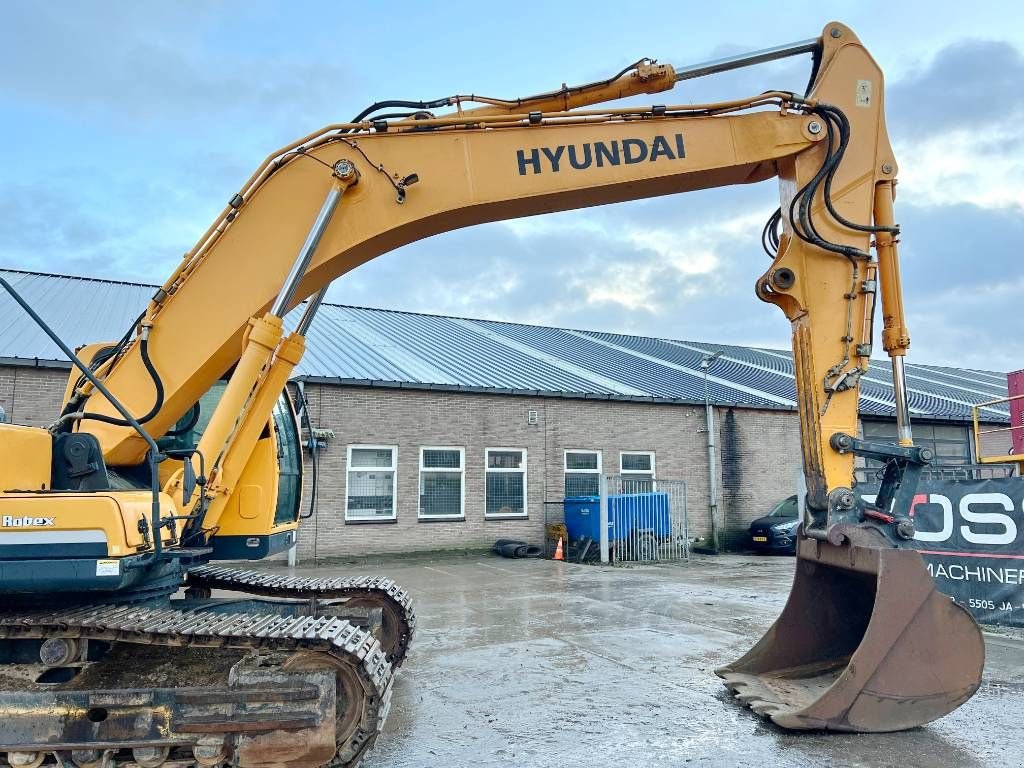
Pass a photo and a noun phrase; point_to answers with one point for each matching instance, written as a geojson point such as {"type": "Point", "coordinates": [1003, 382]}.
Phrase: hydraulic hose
{"type": "Point", "coordinates": [157, 384]}
{"type": "Point", "coordinates": [403, 104]}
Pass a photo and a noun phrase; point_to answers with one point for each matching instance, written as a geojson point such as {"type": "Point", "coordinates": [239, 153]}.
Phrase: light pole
{"type": "Point", "coordinates": [709, 423]}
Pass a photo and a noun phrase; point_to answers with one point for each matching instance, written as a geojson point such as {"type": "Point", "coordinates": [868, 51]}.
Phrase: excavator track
{"type": "Point", "coordinates": [398, 617]}
{"type": "Point", "coordinates": [300, 691]}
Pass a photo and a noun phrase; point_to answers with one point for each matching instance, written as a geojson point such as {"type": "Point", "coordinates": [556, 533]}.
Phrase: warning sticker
{"type": "Point", "coordinates": [863, 93]}
{"type": "Point", "coordinates": [108, 567]}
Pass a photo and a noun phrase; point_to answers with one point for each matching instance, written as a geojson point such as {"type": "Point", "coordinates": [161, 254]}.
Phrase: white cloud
{"type": "Point", "coordinates": [981, 167]}
{"type": "Point", "coordinates": [684, 250]}
{"type": "Point", "coordinates": [688, 256]}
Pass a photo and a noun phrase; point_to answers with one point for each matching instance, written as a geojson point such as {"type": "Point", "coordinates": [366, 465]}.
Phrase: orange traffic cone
{"type": "Point", "coordinates": [558, 550]}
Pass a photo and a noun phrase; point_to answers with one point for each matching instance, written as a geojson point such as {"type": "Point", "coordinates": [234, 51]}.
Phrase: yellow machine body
{"type": "Point", "coordinates": [114, 514]}
{"type": "Point", "coordinates": [25, 455]}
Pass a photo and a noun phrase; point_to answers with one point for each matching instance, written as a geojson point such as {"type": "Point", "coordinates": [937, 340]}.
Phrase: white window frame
{"type": "Point", "coordinates": [461, 471]}
{"type": "Point", "coordinates": [565, 464]}
{"type": "Point", "coordinates": [626, 473]}
{"type": "Point", "coordinates": [393, 469]}
{"type": "Point", "coordinates": [526, 484]}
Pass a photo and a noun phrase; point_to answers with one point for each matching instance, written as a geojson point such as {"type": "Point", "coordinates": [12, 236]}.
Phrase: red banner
{"type": "Point", "coordinates": [1015, 383]}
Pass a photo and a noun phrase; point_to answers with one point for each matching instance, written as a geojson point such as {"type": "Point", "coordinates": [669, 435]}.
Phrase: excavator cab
{"type": "Point", "coordinates": [262, 517]}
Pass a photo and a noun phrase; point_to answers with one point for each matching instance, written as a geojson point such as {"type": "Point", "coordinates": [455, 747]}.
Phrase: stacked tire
{"type": "Point", "coordinates": [513, 548]}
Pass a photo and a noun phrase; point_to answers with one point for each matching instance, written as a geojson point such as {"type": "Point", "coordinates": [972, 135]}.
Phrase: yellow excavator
{"type": "Point", "coordinates": [174, 449]}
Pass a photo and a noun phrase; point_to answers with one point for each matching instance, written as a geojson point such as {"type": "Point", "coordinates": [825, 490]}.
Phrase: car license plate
{"type": "Point", "coordinates": [761, 538]}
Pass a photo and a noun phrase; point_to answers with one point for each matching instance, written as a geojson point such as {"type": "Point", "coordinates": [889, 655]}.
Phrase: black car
{"type": "Point", "coordinates": [776, 532]}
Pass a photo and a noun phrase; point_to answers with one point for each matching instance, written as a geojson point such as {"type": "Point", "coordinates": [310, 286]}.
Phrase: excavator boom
{"type": "Point", "coordinates": [865, 642]}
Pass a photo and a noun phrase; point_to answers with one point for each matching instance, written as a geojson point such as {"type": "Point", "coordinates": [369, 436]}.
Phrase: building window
{"type": "Point", "coordinates": [442, 483]}
{"type": "Point", "coordinates": [582, 473]}
{"type": "Point", "coordinates": [637, 470]}
{"type": "Point", "coordinates": [372, 482]}
{"type": "Point", "coordinates": [506, 482]}
{"type": "Point", "coordinates": [950, 442]}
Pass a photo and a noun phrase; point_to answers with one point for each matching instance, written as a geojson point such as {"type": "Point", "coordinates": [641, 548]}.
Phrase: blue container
{"type": "Point", "coordinates": [627, 513]}
{"type": "Point", "coordinates": [583, 517]}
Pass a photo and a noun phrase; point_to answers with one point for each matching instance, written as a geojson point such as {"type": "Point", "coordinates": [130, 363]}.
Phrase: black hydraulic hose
{"type": "Point", "coordinates": [837, 127]}
{"type": "Point", "coordinates": [815, 66]}
{"type": "Point", "coordinates": [800, 218]}
{"type": "Point", "coordinates": [157, 384]}
{"type": "Point", "coordinates": [123, 342]}
{"type": "Point", "coordinates": [804, 199]}
{"type": "Point", "coordinates": [74, 404]}
{"type": "Point", "coordinates": [844, 139]}
{"type": "Point", "coordinates": [128, 334]}
{"type": "Point", "coordinates": [803, 227]}
{"type": "Point", "coordinates": [117, 349]}
{"type": "Point", "coordinates": [770, 233]}
{"type": "Point", "coordinates": [403, 104]}
{"type": "Point", "coordinates": [401, 115]}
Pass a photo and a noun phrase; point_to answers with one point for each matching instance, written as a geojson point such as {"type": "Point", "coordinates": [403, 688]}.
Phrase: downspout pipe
{"type": "Point", "coordinates": [712, 445]}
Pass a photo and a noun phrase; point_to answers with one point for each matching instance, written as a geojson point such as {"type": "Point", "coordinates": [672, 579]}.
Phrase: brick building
{"type": "Point", "coordinates": [451, 433]}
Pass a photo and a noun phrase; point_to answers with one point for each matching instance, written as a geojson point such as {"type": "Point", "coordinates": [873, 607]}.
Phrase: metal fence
{"type": "Point", "coordinates": [647, 520]}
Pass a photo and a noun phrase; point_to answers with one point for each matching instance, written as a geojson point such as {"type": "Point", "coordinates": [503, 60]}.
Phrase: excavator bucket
{"type": "Point", "coordinates": [865, 643]}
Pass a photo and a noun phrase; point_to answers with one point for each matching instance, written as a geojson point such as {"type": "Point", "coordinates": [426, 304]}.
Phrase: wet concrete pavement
{"type": "Point", "coordinates": [539, 663]}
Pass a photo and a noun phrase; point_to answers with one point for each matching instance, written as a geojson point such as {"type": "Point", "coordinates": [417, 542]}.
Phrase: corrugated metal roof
{"type": "Point", "coordinates": [388, 348]}
{"type": "Point", "coordinates": [81, 310]}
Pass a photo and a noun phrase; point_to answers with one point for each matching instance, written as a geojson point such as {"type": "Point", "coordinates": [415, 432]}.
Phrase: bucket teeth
{"type": "Point", "coordinates": [750, 692]}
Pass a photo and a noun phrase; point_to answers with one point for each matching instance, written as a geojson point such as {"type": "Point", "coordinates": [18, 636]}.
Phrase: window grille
{"type": "Point", "coordinates": [582, 473]}
{"type": "Point", "coordinates": [372, 482]}
{"type": "Point", "coordinates": [637, 470]}
{"type": "Point", "coordinates": [442, 483]}
{"type": "Point", "coordinates": [505, 494]}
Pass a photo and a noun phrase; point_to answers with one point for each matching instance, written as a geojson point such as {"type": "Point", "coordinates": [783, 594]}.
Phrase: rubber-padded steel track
{"type": "Point", "coordinates": [342, 643]}
{"type": "Point", "coordinates": [398, 617]}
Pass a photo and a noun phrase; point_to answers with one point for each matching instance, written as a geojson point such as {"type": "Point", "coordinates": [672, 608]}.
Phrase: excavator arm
{"type": "Point", "coordinates": [865, 642]}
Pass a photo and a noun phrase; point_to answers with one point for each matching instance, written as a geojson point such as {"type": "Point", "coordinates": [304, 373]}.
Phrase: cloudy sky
{"type": "Point", "coordinates": [127, 125]}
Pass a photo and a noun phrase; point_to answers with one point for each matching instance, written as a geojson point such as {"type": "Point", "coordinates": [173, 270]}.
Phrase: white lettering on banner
{"type": "Point", "coordinates": [947, 520]}
{"type": "Point", "coordinates": [981, 574]}
{"type": "Point", "coordinates": [1005, 521]}
{"type": "Point", "coordinates": [1009, 534]}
